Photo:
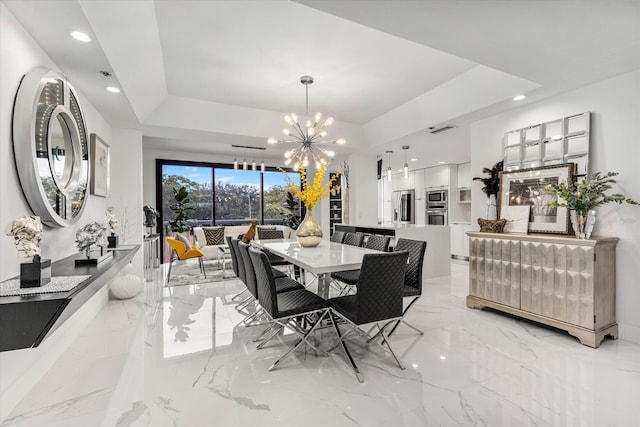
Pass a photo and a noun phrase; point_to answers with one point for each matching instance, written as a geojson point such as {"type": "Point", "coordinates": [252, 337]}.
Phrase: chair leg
{"type": "Point", "coordinates": [238, 295]}
{"type": "Point", "coordinates": [202, 267]}
{"type": "Point", "coordinates": [270, 337]}
{"type": "Point", "coordinates": [270, 328]}
{"type": "Point", "coordinates": [384, 338]}
{"type": "Point", "coordinates": [413, 301]}
{"type": "Point", "coordinates": [170, 265]}
{"type": "Point", "coordinates": [346, 350]}
{"type": "Point", "coordinates": [302, 339]}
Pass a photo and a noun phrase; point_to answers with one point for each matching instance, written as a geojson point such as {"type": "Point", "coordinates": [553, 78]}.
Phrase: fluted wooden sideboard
{"type": "Point", "coordinates": [560, 281]}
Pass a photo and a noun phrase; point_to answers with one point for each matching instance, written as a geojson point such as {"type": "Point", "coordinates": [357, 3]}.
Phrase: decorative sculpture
{"type": "Point", "coordinates": [94, 233]}
{"type": "Point", "coordinates": [112, 223]}
{"type": "Point", "coordinates": [111, 220]}
{"type": "Point", "coordinates": [150, 216]}
{"type": "Point", "coordinates": [27, 233]}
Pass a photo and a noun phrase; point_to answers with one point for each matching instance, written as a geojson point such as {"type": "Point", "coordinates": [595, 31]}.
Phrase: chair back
{"type": "Point", "coordinates": [354, 239]}
{"type": "Point", "coordinates": [416, 249]}
{"type": "Point", "coordinates": [379, 289]}
{"type": "Point", "coordinates": [379, 243]}
{"type": "Point", "coordinates": [242, 275]}
{"type": "Point", "coordinates": [338, 236]}
{"type": "Point", "coordinates": [270, 234]}
{"type": "Point", "coordinates": [177, 246]}
{"type": "Point", "coordinates": [266, 283]}
{"type": "Point", "coordinates": [250, 274]}
{"type": "Point", "coordinates": [234, 256]}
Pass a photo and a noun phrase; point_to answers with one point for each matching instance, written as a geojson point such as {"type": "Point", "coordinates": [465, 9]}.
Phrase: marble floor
{"type": "Point", "coordinates": [175, 356]}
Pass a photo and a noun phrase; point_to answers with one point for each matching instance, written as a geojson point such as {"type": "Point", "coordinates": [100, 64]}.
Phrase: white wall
{"type": "Point", "coordinates": [615, 128]}
{"type": "Point", "coordinates": [21, 369]}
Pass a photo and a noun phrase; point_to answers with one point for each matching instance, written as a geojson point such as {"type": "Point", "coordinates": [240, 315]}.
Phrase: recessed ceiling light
{"type": "Point", "coordinates": [113, 89]}
{"type": "Point", "coordinates": [413, 160]}
{"type": "Point", "coordinates": [80, 36]}
{"type": "Point", "coordinates": [441, 162]}
{"type": "Point", "coordinates": [519, 97]}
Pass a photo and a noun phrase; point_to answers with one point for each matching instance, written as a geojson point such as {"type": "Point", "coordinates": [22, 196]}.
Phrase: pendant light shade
{"type": "Point", "coordinates": [406, 164]}
{"type": "Point", "coordinates": [235, 164]}
{"type": "Point", "coordinates": [244, 165]}
{"type": "Point", "coordinates": [262, 166]}
{"type": "Point", "coordinates": [389, 166]}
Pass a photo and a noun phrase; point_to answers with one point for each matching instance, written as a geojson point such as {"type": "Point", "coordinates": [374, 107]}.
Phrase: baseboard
{"type": "Point", "coordinates": [629, 333]}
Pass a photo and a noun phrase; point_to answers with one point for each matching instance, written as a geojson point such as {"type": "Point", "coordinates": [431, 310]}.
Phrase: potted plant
{"type": "Point", "coordinates": [491, 188]}
{"type": "Point", "coordinates": [582, 197]}
{"type": "Point", "coordinates": [291, 209]}
{"type": "Point", "coordinates": [180, 207]}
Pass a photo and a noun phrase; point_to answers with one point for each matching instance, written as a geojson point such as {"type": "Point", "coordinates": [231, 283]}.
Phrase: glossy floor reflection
{"type": "Point", "coordinates": [176, 357]}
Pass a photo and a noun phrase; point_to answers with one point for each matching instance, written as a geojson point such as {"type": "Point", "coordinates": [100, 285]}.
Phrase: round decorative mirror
{"type": "Point", "coordinates": [50, 146]}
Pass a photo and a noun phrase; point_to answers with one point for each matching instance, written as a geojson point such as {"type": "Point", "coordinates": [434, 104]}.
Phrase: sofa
{"type": "Point", "coordinates": [214, 251]}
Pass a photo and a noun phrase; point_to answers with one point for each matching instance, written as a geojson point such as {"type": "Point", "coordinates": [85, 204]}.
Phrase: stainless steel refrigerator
{"type": "Point", "coordinates": [404, 207]}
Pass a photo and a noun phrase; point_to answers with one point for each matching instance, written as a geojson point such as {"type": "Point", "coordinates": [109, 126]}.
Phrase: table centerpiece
{"type": "Point", "coordinates": [309, 233]}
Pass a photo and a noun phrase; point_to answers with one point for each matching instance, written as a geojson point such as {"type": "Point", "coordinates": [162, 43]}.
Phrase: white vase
{"type": "Point", "coordinates": [583, 224]}
{"type": "Point", "coordinates": [492, 209]}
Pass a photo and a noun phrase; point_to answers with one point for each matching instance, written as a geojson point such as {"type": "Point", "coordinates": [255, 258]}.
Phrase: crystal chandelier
{"type": "Point", "coordinates": [309, 136]}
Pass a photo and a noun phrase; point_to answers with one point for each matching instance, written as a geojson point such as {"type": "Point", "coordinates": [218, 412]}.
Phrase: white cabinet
{"type": "Point", "coordinates": [436, 177]}
{"type": "Point", "coordinates": [464, 175]}
{"type": "Point", "coordinates": [464, 183]}
{"type": "Point", "coordinates": [399, 182]}
{"type": "Point", "coordinates": [459, 241]}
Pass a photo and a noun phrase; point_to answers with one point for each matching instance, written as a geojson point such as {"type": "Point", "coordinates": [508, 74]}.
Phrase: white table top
{"type": "Point", "coordinates": [327, 257]}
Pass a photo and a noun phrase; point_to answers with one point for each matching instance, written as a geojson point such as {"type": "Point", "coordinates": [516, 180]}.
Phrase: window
{"type": "Point", "coordinates": [237, 196]}
{"type": "Point", "coordinates": [275, 191]}
{"type": "Point", "coordinates": [221, 195]}
{"type": "Point", "coordinates": [197, 180]}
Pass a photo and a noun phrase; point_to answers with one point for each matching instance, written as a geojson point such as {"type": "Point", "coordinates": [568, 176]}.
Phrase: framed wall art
{"type": "Point", "coordinates": [528, 187]}
{"type": "Point", "coordinates": [100, 165]}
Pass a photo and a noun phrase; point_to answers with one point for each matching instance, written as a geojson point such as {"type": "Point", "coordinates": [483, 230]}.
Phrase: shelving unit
{"type": "Point", "coordinates": [335, 204]}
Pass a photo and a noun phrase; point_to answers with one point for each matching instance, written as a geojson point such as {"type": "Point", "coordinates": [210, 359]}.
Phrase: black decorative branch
{"type": "Point", "coordinates": [491, 183]}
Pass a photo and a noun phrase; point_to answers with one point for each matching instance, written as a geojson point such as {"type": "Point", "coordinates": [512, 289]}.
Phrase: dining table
{"type": "Point", "coordinates": [320, 261]}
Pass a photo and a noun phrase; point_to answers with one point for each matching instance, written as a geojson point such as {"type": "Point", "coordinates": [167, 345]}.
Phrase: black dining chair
{"type": "Point", "coordinates": [350, 277]}
{"type": "Point", "coordinates": [274, 259]}
{"type": "Point", "coordinates": [234, 266]}
{"type": "Point", "coordinates": [338, 236]}
{"type": "Point", "coordinates": [353, 238]}
{"type": "Point", "coordinates": [283, 284]}
{"type": "Point", "coordinates": [299, 310]}
{"type": "Point", "coordinates": [413, 277]}
{"type": "Point", "coordinates": [378, 298]}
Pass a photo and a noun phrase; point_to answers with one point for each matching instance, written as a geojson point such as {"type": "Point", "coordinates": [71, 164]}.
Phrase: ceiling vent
{"type": "Point", "coordinates": [432, 129]}
{"type": "Point", "coordinates": [249, 147]}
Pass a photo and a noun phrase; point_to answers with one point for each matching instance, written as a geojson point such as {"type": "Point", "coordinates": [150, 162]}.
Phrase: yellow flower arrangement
{"type": "Point", "coordinates": [310, 195]}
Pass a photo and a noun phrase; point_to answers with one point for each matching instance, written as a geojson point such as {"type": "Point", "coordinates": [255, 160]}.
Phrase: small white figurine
{"type": "Point", "coordinates": [111, 220]}
{"type": "Point", "coordinates": [27, 233]}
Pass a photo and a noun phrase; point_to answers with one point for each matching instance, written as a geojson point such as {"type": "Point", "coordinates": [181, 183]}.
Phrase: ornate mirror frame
{"type": "Point", "coordinates": [50, 147]}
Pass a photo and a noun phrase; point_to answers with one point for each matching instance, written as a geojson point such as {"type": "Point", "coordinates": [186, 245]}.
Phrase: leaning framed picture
{"type": "Point", "coordinates": [528, 187]}
{"type": "Point", "coordinates": [100, 164]}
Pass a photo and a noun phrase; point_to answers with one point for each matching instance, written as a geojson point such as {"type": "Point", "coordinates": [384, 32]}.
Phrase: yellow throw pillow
{"type": "Point", "coordinates": [251, 234]}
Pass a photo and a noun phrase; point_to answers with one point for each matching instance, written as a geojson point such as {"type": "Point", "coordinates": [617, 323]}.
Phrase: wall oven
{"type": "Point", "coordinates": [436, 217]}
{"type": "Point", "coordinates": [436, 199]}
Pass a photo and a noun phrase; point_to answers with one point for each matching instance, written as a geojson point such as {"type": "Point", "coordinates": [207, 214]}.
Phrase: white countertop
{"type": "Point", "coordinates": [393, 225]}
